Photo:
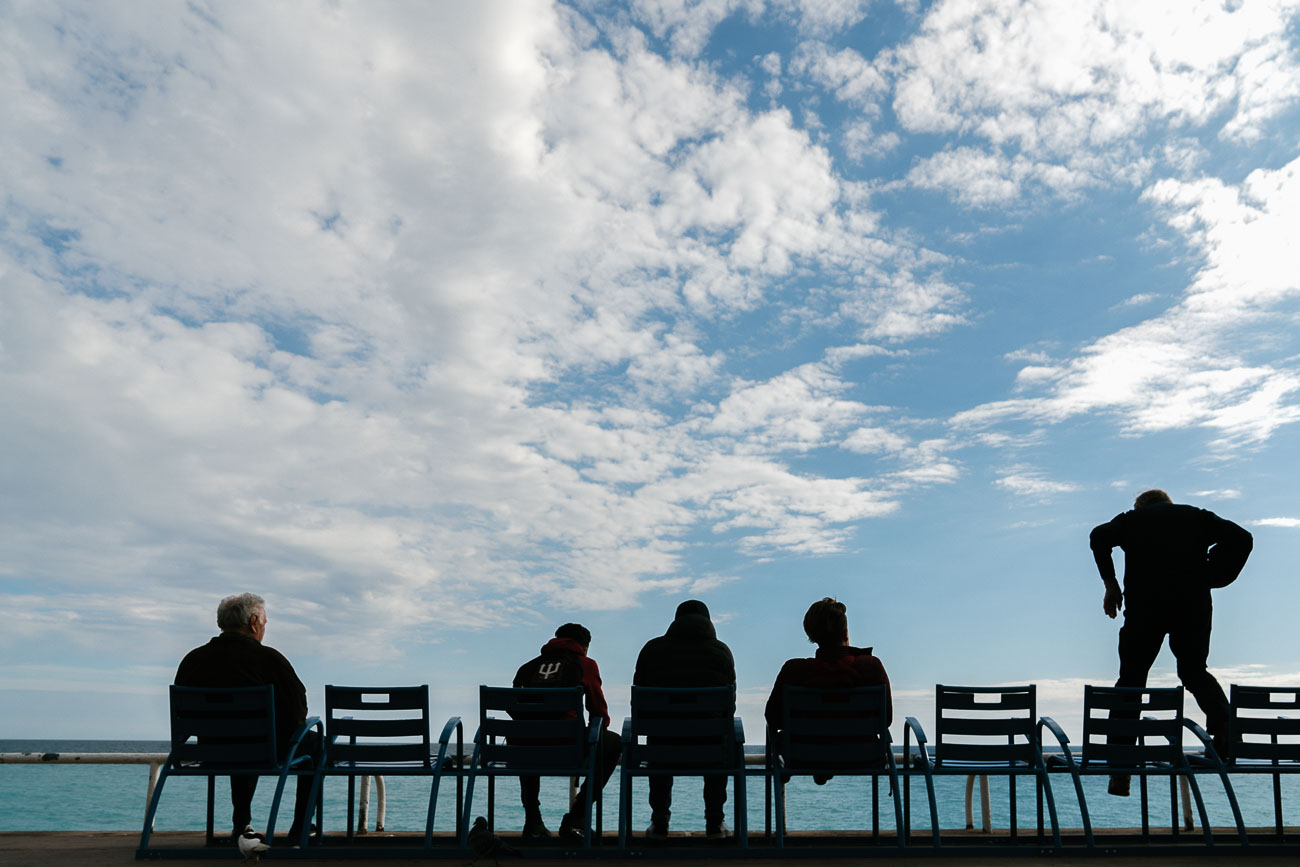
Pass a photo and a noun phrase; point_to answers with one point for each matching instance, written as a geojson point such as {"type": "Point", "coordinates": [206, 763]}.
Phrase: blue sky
{"type": "Point", "coordinates": [441, 324]}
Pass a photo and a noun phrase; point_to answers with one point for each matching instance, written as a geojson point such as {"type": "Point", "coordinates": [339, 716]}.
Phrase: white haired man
{"type": "Point", "coordinates": [237, 657]}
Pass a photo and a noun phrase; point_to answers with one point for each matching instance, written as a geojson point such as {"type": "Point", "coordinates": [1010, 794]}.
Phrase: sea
{"type": "Point", "coordinates": [54, 797]}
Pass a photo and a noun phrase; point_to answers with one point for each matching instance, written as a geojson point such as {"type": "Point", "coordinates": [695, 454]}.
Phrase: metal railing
{"type": "Point", "coordinates": [155, 762]}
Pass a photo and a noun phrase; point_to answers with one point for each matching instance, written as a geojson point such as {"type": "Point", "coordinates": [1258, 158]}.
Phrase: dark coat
{"type": "Point", "coordinates": [832, 668]}
{"type": "Point", "coordinates": [1173, 554]}
{"type": "Point", "coordinates": [688, 654]}
{"type": "Point", "coordinates": [235, 659]}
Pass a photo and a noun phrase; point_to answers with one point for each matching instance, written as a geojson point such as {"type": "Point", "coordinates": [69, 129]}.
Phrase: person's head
{"type": "Point", "coordinates": [827, 623]}
{"type": "Point", "coordinates": [576, 631]}
{"type": "Point", "coordinates": [243, 613]}
{"type": "Point", "coordinates": [692, 607]}
{"type": "Point", "coordinates": [1151, 498]}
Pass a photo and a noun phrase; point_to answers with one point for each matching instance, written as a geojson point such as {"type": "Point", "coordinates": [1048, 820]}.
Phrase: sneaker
{"type": "Point", "coordinates": [657, 831]}
{"type": "Point", "coordinates": [535, 829]}
{"type": "Point", "coordinates": [570, 829]}
{"type": "Point", "coordinates": [718, 831]}
{"type": "Point", "coordinates": [1119, 785]}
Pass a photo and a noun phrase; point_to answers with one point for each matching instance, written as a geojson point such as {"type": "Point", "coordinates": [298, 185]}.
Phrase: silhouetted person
{"type": "Point", "coordinates": [564, 662]}
{"type": "Point", "coordinates": [689, 654]}
{"type": "Point", "coordinates": [1173, 555]}
{"type": "Point", "coordinates": [837, 665]}
{"type": "Point", "coordinates": [237, 657]}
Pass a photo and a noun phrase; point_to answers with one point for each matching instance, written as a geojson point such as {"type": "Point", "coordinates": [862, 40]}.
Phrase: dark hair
{"type": "Point", "coordinates": [1150, 498]}
{"type": "Point", "coordinates": [576, 631]}
{"type": "Point", "coordinates": [826, 622]}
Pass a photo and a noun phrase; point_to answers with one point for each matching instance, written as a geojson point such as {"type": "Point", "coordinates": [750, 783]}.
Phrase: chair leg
{"type": "Point", "coordinates": [149, 814]}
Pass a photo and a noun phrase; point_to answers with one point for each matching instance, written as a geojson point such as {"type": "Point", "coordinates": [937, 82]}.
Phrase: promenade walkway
{"type": "Point", "coordinates": [110, 848]}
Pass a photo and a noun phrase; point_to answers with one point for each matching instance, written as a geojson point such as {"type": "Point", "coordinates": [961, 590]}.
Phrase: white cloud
{"type": "Point", "coordinates": [1184, 368]}
{"type": "Point", "coordinates": [1025, 482]}
{"type": "Point", "coordinates": [1277, 522]}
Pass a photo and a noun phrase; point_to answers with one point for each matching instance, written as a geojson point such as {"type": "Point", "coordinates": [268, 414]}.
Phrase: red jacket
{"type": "Point", "coordinates": [595, 696]}
{"type": "Point", "coordinates": [832, 668]}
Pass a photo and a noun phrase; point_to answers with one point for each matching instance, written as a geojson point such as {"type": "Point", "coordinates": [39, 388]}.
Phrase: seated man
{"type": "Point", "coordinates": [688, 654]}
{"type": "Point", "coordinates": [237, 657]}
{"type": "Point", "coordinates": [564, 662]}
{"type": "Point", "coordinates": [837, 665]}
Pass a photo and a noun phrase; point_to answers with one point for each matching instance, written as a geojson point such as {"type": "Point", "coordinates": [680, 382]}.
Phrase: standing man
{"type": "Point", "coordinates": [237, 657]}
{"type": "Point", "coordinates": [688, 654]}
{"type": "Point", "coordinates": [1173, 556]}
{"type": "Point", "coordinates": [563, 661]}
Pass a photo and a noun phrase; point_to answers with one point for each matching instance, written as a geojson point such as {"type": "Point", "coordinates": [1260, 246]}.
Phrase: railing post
{"type": "Point", "coordinates": [363, 806]}
{"type": "Point", "coordinates": [154, 769]}
{"type": "Point", "coordinates": [381, 804]}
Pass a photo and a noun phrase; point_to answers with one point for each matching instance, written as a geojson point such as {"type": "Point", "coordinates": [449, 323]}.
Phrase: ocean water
{"type": "Point", "coordinates": [112, 797]}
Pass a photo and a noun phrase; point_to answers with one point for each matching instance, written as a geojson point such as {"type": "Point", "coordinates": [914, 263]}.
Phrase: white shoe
{"type": "Point", "coordinates": [657, 832]}
{"type": "Point", "coordinates": [720, 832]}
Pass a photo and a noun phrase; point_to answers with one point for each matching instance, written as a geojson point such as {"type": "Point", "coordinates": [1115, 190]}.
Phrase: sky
{"type": "Point", "coordinates": [441, 324]}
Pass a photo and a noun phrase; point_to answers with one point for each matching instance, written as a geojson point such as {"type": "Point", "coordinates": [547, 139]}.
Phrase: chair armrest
{"type": "Point", "coordinates": [738, 730]}
{"type": "Point", "coordinates": [1211, 754]}
{"type": "Point", "coordinates": [627, 729]}
{"type": "Point", "coordinates": [312, 722]}
{"type": "Point", "coordinates": [444, 741]}
{"type": "Point", "coordinates": [1062, 739]}
{"type": "Point", "coordinates": [913, 726]}
{"type": "Point", "coordinates": [593, 732]}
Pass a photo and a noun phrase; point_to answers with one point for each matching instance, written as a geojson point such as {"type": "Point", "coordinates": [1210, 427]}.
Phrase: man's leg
{"type": "Point", "coordinates": [610, 746]}
{"type": "Point", "coordinates": [661, 802]}
{"type": "Point", "coordinates": [242, 787]}
{"type": "Point", "coordinates": [311, 746]}
{"type": "Point", "coordinates": [1140, 640]}
{"type": "Point", "coordinates": [530, 787]}
{"type": "Point", "coordinates": [715, 800]}
{"type": "Point", "coordinates": [1190, 642]}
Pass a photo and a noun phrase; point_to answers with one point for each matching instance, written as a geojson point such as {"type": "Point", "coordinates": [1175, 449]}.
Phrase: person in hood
{"type": "Point", "coordinates": [563, 662]}
{"type": "Point", "coordinates": [837, 665]}
{"type": "Point", "coordinates": [688, 654]}
{"type": "Point", "coordinates": [1173, 556]}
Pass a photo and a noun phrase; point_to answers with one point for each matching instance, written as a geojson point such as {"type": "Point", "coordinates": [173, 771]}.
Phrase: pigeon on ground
{"type": "Point", "coordinates": [251, 846]}
{"type": "Point", "coordinates": [484, 844]}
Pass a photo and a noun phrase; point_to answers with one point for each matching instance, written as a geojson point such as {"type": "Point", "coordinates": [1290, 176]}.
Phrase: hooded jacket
{"type": "Point", "coordinates": [591, 683]}
{"type": "Point", "coordinates": [688, 654]}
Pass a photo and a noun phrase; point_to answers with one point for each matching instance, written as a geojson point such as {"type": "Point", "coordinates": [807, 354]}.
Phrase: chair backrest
{"type": "Point", "coordinates": [1151, 717]}
{"type": "Point", "coordinates": [684, 726]}
{"type": "Point", "coordinates": [377, 725]}
{"type": "Point", "coordinates": [227, 726]}
{"type": "Point", "coordinates": [1257, 730]}
{"type": "Point", "coordinates": [985, 724]}
{"type": "Point", "coordinates": [525, 727]}
{"type": "Point", "coordinates": [834, 728]}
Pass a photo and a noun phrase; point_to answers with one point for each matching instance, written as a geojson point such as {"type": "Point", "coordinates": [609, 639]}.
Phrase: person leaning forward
{"type": "Point", "coordinates": [563, 661]}
{"type": "Point", "coordinates": [1173, 556]}
{"type": "Point", "coordinates": [837, 665]}
{"type": "Point", "coordinates": [689, 654]}
{"type": "Point", "coordinates": [237, 657]}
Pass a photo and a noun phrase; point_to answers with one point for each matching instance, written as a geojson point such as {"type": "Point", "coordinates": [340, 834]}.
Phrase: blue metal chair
{"type": "Point", "coordinates": [840, 732]}
{"type": "Point", "coordinates": [687, 731]}
{"type": "Point", "coordinates": [383, 731]}
{"type": "Point", "coordinates": [1152, 718]}
{"type": "Point", "coordinates": [218, 732]}
{"type": "Point", "coordinates": [532, 731]}
{"type": "Point", "coordinates": [1262, 741]}
{"type": "Point", "coordinates": [984, 730]}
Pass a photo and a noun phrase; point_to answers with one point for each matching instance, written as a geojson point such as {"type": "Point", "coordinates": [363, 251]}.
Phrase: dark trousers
{"type": "Point", "coordinates": [661, 799]}
{"type": "Point", "coordinates": [244, 786]}
{"type": "Point", "coordinates": [610, 746]}
{"type": "Point", "coordinates": [1188, 628]}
